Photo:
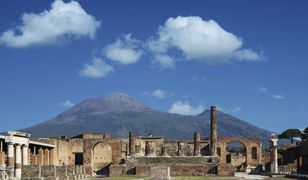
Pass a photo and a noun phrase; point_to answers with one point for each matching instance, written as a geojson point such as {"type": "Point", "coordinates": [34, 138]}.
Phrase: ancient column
{"type": "Point", "coordinates": [29, 156]}
{"type": "Point", "coordinates": [132, 143]}
{"type": "Point", "coordinates": [274, 155]}
{"type": "Point", "coordinates": [51, 157]}
{"type": "Point", "coordinates": [40, 157]}
{"type": "Point", "coordinates": [1, 146]}
{"type": "Point", "coordinates": [213, 136]}
{"type": "Point", "coordinates": [10, 159]}
{"type": "Point", "coordinates": [181, 149]}
{"type": "Point", "coordinates": [149, 148]}
{"type": "Point", "coordinates": [18, 161]}
{"type": "Point", "coordinates": [46, 157]}
{"type": "Point", "coordinates": [25, 156]}
{"type": "Point", "coordinates": [197, 138]}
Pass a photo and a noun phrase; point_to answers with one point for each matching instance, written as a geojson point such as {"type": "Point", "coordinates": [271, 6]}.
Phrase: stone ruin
{"type": "Point", "coordinates": [99, 154]}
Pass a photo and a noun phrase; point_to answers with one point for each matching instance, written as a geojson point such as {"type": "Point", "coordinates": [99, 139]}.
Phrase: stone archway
{"type": "Point", "coordinates": [253, 149]}
{"type": "Point", "coordinates": [101, 158]}
{"type": "Point", "coordinates": [236, 154]}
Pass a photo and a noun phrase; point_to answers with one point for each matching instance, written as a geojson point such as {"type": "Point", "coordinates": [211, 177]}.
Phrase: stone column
{"type": "Point", "coordinates": [51, 157]}
{"type": "Point", "coordinates": [29, 156]}
{"type": "Point", "coordinates": [18, 161]}
{"type": "Point", "coordinates": [46, 157]}
{"type": "Point", "coordinates": [213, 138]}
{"type": "Point", "coordinates": [10, 159]}
{"type": "Point", "coordinates": [25, 156]}
{"type": "Point", "coordinates": [132, 143]}
{"type": "Point", "coordinates": [181, 149]}
{"type": "Point", "coordinates": [1, 146]}
{"type": "Point", "coordinates": [274, 154]}
{"type": "Point", "coordinates": [149, 148]}
{"type": "Point", "coordinates": [40, 157]}
{"type": "Point", "coordinates": [197, 138]}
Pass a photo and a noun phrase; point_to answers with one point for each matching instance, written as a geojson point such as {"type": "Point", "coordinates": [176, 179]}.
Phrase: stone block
{"type": "Point", "coordinates": [143, 171]}
{"type": "Point", "coordinates": [225, 170]}
{"type": "Point", "coordinates": [48, 171]}
{"type": "Point", "coordinates": [61, 171]}
{"type": "Point", "coordinates": [31, 171]}
{"type": "Point", "coordinates": [160, 173]}
{"type": "Point", "coordinates": [117, 170]}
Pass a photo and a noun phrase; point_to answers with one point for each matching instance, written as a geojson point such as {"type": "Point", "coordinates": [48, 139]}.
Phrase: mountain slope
{"type": "Point", "coordinates": [117, 114]}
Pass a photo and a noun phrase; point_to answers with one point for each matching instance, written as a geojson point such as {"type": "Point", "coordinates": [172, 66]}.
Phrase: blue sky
{"type": "Point", "coordinates": [247, 57]}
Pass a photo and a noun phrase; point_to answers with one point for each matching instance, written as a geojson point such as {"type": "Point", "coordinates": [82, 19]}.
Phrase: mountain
{"type": "Point", "coordinates": [118, 113]}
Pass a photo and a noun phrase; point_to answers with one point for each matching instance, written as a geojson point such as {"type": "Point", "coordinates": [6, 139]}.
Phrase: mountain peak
{"type": "Point", "coordinates": [114, 102]}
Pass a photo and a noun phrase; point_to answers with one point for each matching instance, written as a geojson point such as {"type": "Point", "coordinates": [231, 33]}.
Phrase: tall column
{"type": "Point", "coordinates": [213, 137]}
{"type": "Point", "coordinates": [10, 159]}
{"type": "Point", "coordinates": [197, 138]}
{"type": "Point", "coordinates": [25, 156]}
{"type": "Point", "coordinates": [46, 157]}
{"type": "Point", "coordinates": [132, 143]}
{"type": "Point", "coordinates": [274, 154]}
{"type": "Point", "coordinates": [18, 161]}
{"type": "Point", "coordinates": [40, 157]}
{"type": "Point", "coordinates": [1, 146]}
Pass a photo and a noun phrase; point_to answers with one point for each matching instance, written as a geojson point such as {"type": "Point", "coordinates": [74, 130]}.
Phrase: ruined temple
{"type": "Point", "coordinates": [99, 154]}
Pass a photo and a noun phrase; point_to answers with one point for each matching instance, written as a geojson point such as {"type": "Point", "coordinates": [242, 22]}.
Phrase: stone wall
{"type": "Point", "coordinates": [31, 172]}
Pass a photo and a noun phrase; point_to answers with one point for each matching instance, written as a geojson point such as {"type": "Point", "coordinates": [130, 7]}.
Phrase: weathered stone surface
{"type": "Point", "coordinates": [61, 171]}
{"type": "Point", "coordinates": [143, 170]}
{"type": "Point", "coordinates": [160, 173]}
{"type": "Point", "coordinates": [117, 170]}
{"type": "Point", "coordinates": [168, 161]}
{"type": "Point", "coordinates": [48, 171]}
{"type": "Point", "coordinates": [225, 170]}
{"type": "Point", "coordinates": [31, 171]}
{"type": "Point", "coordinates": [191, 170]}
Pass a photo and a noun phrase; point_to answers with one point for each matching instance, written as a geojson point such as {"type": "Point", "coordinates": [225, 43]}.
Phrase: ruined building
{"type": "Point", "coordinates": [100, 154]}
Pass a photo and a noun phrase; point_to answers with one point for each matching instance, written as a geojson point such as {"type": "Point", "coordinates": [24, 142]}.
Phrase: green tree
{"type": "Point", "coordinates": [291, 134]}
{"type": "Point", "coordinates": [305, 134]}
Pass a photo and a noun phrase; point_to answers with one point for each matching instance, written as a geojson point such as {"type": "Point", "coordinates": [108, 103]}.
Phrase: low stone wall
{"type": "Point", "coordinates": [179, 166]}
{"type": "Point", "coordinates": [169, 161]}
{"type": "Point", "coordinates": [33, 172]}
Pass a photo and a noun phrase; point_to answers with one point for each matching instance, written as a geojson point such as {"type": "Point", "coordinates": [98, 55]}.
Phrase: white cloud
{"type": "Point", "coordinates": [63, 20]}
{"type": "Point", "coordinates": [96, 69]}
{"type": "Point", "coordinates": [198, 79]}
{"type": "Point", "coordinates": [200, 40]}
{"type": "Point", "coordinates": [262, 89]}
{"type": "Point", "coordinates": [67, 104]}
{"type": "Point", "coordinates": [185, 108]}
{"type": "Point", "coordinates": [158, 93]}
{"type": "Point", "coordinates": [163, 61]}
{"type": "Point", "coordinates": [124, 51]}
{"type": "Point", "coordinates": [235, 110]}
{"type": "Point", "coordinates": [278, 97]}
